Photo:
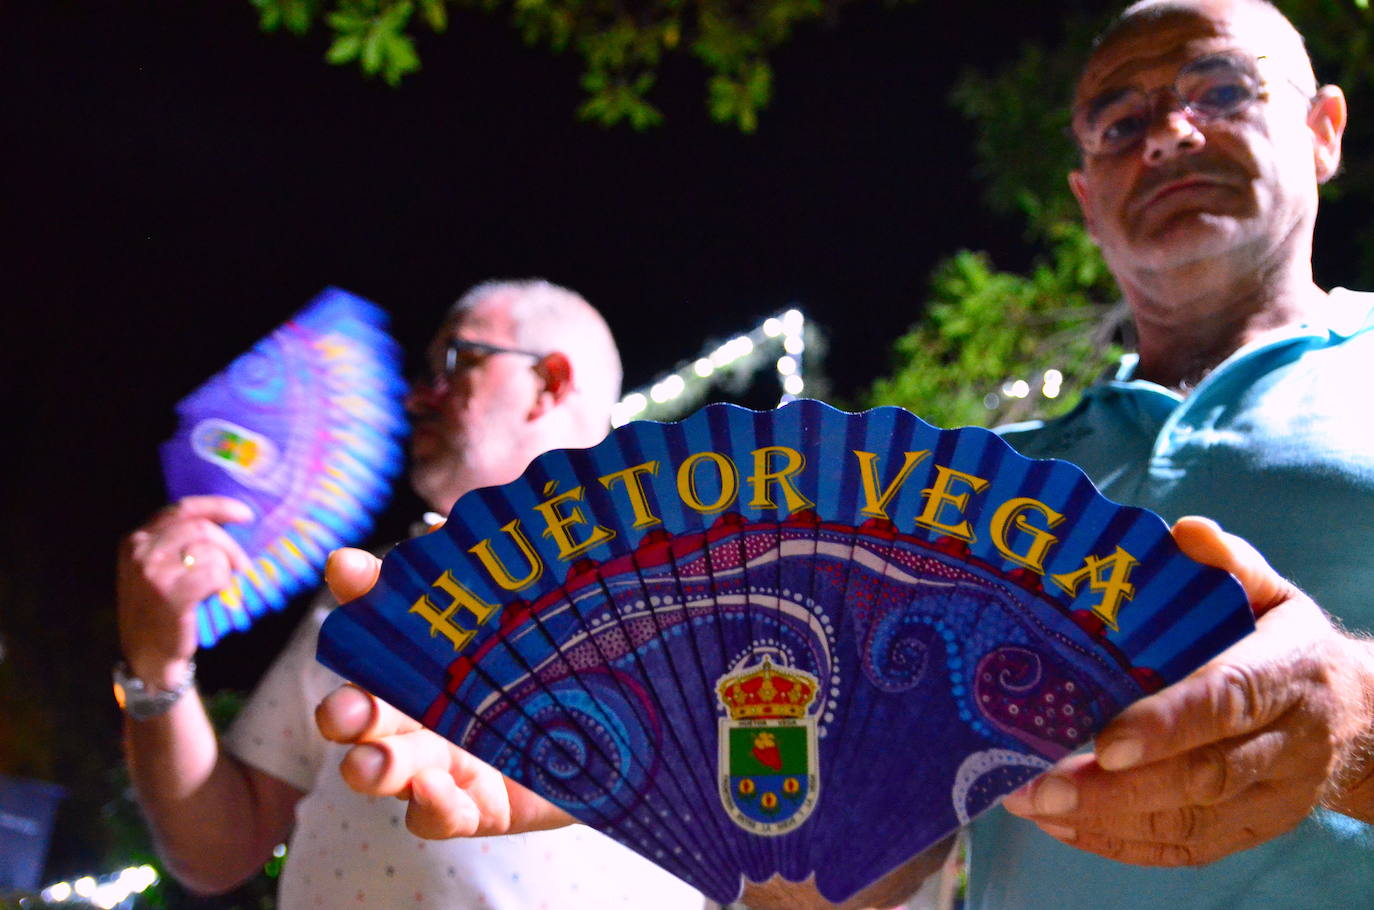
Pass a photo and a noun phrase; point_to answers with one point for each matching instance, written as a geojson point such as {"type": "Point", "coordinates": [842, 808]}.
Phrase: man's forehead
{"type": "Point", "coordinates": [1168, 34]}
{"type": "Point", "coordinates": [487, 320]}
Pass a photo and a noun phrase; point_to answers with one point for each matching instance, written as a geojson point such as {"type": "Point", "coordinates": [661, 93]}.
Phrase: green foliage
{"type": "Point", "coordinates": [1339, 34]}
{"type": "Point", "coordinates": [371, 33]}
{"type": "Point", "coordinates": [620, 45]}
{"type": "Point", "coordinates": [984, 329]}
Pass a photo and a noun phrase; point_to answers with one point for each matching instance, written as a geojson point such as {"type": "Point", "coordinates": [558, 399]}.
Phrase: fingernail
{"type": "Point", "coordinates": [1055, 796]}
{"type": "Point", "coordinates": [1121, 754]}
{"type": "Point", "coordinates": [243, 509]}
{"type": "Point", "coordinates": [1058, 831]}
{"type": "Point", "coordinates": [368, 760]}
{"type": "Point", "coordinates": [349, 710]}
{"type": "Point", "coordinates": [1018, 801]}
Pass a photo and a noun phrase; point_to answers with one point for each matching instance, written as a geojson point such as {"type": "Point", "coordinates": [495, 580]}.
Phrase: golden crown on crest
{"type": "Point", "coordinates": [766, 692]}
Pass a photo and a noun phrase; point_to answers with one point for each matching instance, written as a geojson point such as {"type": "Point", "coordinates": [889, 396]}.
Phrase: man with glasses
{"type": "Point", "coordinates": [516, 369]}
{"type": "Point", "coordinates": [1250, 784]}
{"type": "Point", "coordinates": [1204, 138]}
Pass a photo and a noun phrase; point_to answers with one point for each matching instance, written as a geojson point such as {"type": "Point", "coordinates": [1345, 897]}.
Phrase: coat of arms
{"type": "Point", "coordinates": [769, 779]}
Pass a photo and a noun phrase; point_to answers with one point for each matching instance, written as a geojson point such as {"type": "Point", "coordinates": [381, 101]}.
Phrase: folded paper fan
{"type": "Point", "coordinates": [801, 643]}
{"type": "Point", "coordinates": [305, 428]}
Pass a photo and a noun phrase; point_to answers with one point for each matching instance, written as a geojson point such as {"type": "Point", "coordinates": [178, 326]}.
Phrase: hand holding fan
{"type": "Point", "coordinates": [799, 643]}
{"type": "Point", "coordinates": [306, 429]}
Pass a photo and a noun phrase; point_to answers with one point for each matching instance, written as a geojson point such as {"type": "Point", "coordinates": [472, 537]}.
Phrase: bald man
{"type": "Point", "coordinates": [1204, 137]}
{"type": "Point", "coordinates": [517, 368]}
{"type": "Point", "coordinates": [1250, 784]}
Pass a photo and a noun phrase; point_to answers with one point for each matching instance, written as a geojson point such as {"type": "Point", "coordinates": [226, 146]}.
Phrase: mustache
{"type": "Point", "coordinates": [1220, 173]}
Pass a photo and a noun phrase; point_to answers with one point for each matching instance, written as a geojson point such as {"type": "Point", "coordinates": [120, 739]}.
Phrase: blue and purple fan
{"type": "Point", "coordinates": [802, 642]}
{"type": "Point", "coordinates": [306, 428]}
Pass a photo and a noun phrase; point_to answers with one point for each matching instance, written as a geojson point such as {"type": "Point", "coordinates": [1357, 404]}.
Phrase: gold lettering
{"type": "Point", "coordinates": [876, 500]}
{"type": "Point", "coordinates": [497, 569]}
{"type": "Point", "coordinates": [687, 482]}
{"type": "Point", "coordinates": [763, 477]}
{"type": "Point", "coordinates": [634, 487]}
{"type": "Point", "coordinates": [1110, 575]}
{"type": "Point", "coordinates": [442, 620]}
{"type": "Point", "coordinates": [1013, 511]}
{"type": "Point", "coordinates": [558, 523]}
{"type": "Point", "coordinates": [938, 496]}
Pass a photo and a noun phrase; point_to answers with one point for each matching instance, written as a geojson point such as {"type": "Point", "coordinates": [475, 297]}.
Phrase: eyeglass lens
{"type": "Point", "coordinates": [1209, 88]}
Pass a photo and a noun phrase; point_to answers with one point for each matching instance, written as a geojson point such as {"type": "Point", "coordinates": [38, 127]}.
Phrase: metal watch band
{"type": "Point", "coordinates": [141, 701]}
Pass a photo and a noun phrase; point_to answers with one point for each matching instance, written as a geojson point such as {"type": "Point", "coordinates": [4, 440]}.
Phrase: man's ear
{"type": "Point", "coordinates": [1079, 184]}
{"type": "Point", "coordinates": [556, 371]}
{"type": "Point", "coordinates": [1326, 119]}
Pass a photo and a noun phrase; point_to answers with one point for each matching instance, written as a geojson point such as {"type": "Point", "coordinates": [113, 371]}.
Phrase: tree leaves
{"type": "Point", "coordinates": [621, 45]}
{"type": "Point", "coordinates": [994, 346]}
{"type": "Point", "coordinates": [372, 34]}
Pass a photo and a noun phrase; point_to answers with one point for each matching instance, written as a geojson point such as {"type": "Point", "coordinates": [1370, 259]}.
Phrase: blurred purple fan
{"type": "Point", "coordinates": [799, 643]}
{"type": "Point", "coordinates": [306, 429]}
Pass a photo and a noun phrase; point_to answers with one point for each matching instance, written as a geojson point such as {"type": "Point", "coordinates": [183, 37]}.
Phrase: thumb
{"type": "Point", "coordinates": [1203, 540]}
{"type": "Point", "coordinates": [351, 573]}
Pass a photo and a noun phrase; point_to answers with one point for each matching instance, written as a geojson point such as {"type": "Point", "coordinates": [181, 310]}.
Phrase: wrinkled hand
{"type": "Point", "coordinates": [451, 792]}
{"type": "Point", "coordinates": [180, 557]}
{"type": "Point", "coordinates": [1235, 754]}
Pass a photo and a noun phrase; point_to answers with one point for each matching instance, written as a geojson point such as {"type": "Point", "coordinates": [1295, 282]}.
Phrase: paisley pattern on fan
{"type": "Point", "coordinates": [801, 643]}
{"type": "Point", "coordinates": [306, 428]}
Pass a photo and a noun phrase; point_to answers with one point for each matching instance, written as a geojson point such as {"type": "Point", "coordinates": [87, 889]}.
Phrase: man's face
{"type": "Point", "coordinates": [470, 428]}
{"type": "Point", "coordinates": [1241, 186]}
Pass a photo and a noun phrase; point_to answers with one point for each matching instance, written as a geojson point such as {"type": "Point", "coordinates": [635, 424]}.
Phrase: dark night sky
{"type": "Point", "coordinates": [177, 183]}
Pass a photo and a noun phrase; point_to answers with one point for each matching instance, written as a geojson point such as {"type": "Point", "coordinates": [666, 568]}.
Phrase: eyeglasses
{"type": "Point", "coordinates": [1209, 88]}
{"type": "Point", "coordinates": [462, 354]}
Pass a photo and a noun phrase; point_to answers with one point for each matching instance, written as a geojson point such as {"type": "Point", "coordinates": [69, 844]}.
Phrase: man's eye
{"type": "Point", "coordinates": [466, 360]}
{"type": "Point", "coordinates": [1122, 130]}
{"type": "Point", "coordinates": [1221, 98]}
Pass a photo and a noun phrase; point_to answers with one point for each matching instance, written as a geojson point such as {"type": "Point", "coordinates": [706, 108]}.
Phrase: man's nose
{"type": "Point", "coordinates": [424, 394]}
{"type": "Point", "coordinates": [1171, 135]}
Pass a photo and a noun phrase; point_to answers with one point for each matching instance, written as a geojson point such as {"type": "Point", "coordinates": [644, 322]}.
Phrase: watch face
{"type": "Point", "coordinates": [138, 701]}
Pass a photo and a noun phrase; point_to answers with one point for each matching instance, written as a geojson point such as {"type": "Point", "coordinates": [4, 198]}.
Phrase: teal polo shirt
{"type": "Point", "coordinates": [1276, 444]}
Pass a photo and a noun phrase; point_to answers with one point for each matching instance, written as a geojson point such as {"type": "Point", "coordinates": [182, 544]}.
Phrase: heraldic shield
{"type": "Point", "coordinates": [769, 779]}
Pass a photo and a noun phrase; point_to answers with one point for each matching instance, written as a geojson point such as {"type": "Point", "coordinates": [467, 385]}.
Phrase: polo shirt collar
{"type": "Point", "coordinates": [1349, 313]}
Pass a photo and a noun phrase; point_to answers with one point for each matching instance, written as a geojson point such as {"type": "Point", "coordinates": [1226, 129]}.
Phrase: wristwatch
{"type": "Point", "coordinates": [141, 701]}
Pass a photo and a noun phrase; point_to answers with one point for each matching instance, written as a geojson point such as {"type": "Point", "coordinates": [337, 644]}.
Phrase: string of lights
{"type": "Point", "coordinates": [116, 891]}
{"type": "Point", "coordinates": [780, 340]}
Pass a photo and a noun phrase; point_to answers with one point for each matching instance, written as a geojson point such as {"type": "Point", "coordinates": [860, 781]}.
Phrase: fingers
{"type": "Point", "coordinates": [1208, 776]}
{"type": "Point", "coordinates": [351, 573]}
{"type": "Point", "coordinates": [218, 509]}
{"type": "Point", "coordinates": [384, 767]}
{"type": "Point", "coordinates": [443, 806]}
{"type": "Point", "coordinates": [531, 812]}
{"type": "Point", "coordinates": [1203, 540]}
{"type": "Point", "coordinates": [1186, 835]}
{"type": "Point", "coordinates": [184, 553]}
{"type": "Point", "coordinates": [439, 808]}
{"type": "Point", "coordinates": [452, 793]}
{"type": "Point", "coordinates": [351, 715]}
{"type": "Point", "coordinates": [1222, 700]}
{"type": "Point", "coordinates": [1242, 689]}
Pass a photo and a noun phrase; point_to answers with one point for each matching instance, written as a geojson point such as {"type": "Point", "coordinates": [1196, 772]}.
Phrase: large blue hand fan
{"type": "Point", "coordinates": [801, 643]}
{"type": "Point", "coordinates": [306, 429]}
